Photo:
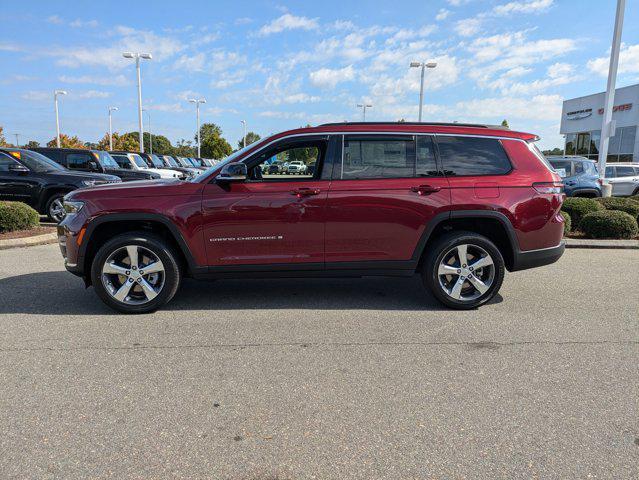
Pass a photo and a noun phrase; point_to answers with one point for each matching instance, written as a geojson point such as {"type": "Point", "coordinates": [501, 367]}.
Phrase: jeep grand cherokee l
{"type": "Point", "coordinates": [458, 204]}
{"type": "Point", "coordinates": [38, 181]}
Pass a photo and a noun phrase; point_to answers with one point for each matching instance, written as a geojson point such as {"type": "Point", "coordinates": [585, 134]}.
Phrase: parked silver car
{"type": "Point", "coordinates": [624, 178]}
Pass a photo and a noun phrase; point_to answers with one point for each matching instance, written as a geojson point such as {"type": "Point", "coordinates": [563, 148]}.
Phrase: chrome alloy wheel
{"type": "Point", "coordinates": [466, 272]}
{"type": "Point", "coordinates": [133, 275]}
{"type": "Point", "coordinates": [56, 210]}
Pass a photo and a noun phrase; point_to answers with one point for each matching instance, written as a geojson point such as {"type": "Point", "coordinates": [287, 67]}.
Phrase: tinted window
{"type": "Point", "coordinates": [472, 156]}
{"type": "Point", "coordinates": [288, 162]}
{"type": "Point", "coordinates": [590, 168]}
{"type": "Point", "coordinates": [378, 157]}
{"type": "Point", "coordinates": [561, 164]}
{"type": "Point", "coordinates": [610, 172]}
{"type": "Point", "coordinates": [78, 161]}
{"type": "Point", "coordinates": [625, 172]}
{"type": "Point", "coordinates": [37, 162]}
{"type": "Point", "coordinates": [107, 160]}
{"type": "Point", "coordinates": [122, 161]}
{"type": "Point", "coordinates": [5, 161]}
{"type": "Point", "coordinates": [426, 164]}
{"type": "Point", "coordinates": [55, 155]}
{"type": "Point", "coordinates": [579, 168]}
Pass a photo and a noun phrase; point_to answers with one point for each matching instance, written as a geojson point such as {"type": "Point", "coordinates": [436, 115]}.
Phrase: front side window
{"type": "Point", "coordinates": [625, 172]}
{"type": "Point", "coordinates": [590, 168]}
{"type": "Point", "coordinates": [78, 161]}
{"type": "Point", "coordinates": [171, 161]}
{"type": "Point", "coordinates": [6, 162]}
{"type": "Point", "coordinates": [378, 157]}
{"type": "Point", "coordinates": [107, 160]}
{"type": "Point", "coordinates": [464, 156]}
{"type": "Point", "coordinates": [123, 161]}
{"type": "Point", "coordinates": [139, 161]}
{"type": "Point", "coordinates": [288, 162]}
{"type": "Point", "coordinates": [562, 166]}
{"type": "Point", "coordinates": [37, 162]}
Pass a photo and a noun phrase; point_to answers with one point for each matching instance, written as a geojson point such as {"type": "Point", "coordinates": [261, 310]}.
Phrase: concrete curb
{"type": "Point", "coordinates": [29, 241]}
{"type": "Point", "coordinates": [592, 243]}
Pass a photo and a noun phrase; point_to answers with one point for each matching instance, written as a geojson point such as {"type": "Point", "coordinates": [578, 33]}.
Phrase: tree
{"type": "Point", "coordinates": [3, 141]}
{"type": "Point", "coordinates": [67, 142]}
{"type": "Point", "coordinates": [251, 137]}
{"type": "Point", "coordinates": [120, 142]}
{"type": "Point", "coordinates": [32, 144]}
{"type": "Point", "coordinates": [161, 144]}
{"type": "Point", "coordinates": [213, 145]}
{"type": "Point", "coordinates": [504, 123]}
{"type": "Point", "coordinates": [184, 148]}
{"type": "Point", "coordinates": [554, 151]}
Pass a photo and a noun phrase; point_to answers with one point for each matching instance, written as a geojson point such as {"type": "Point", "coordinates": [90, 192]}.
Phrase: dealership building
{"type": "Point", "coordinates": [581, 120]}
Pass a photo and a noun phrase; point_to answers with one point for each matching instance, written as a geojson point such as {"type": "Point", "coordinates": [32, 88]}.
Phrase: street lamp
{"type": "Point", "coordinates": [138, 56]}
{"type": "Point", "coordinates": [423, 66]}
{"type": "Point", "coordinates": [17, 140]}
{"type": "Point", "coordinates": [243, 122]}
{"type": "Point", "coordinates": [197, 110]}
{"type": "Point", "coordinates": [111, 109]}
{"type": "Point", "coordinates": [57, 119]}
{"type": "Point", "coordinates": [150, 135]}
{"type": "Point", "coordinates": [364, 106]}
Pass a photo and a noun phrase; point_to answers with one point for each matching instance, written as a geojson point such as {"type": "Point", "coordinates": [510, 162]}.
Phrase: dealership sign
{"type": "Point", "coordinates": [617, 108]}
{"type": "Point", "coordinates": [579, 114]}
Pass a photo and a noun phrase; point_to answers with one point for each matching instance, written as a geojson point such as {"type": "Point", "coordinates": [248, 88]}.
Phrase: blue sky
{"type": "Point", "coordinates": [280, 65]}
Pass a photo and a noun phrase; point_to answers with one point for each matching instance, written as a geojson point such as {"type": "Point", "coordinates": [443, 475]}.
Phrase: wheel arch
{"type": "Point", "coordinates": [50, 190]}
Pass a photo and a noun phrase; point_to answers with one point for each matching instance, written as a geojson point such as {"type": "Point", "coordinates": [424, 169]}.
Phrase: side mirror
{"type": "Point", "coordinates": [233, 172]}
{"type": "Point", "coordinates": [93, 166]}
{"type": "Point", "coordinates": [18, 168]}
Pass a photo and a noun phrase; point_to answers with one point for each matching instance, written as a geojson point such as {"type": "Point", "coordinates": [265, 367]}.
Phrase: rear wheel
{"type": "Point", "coordinates": [463, 270]}
{"type": "Point", "coordinates": [135, 273]}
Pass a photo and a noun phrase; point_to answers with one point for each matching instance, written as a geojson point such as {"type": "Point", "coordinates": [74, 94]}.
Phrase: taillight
{"type": "Point", "coordinates": [600, 182]}
{"type": "Point", "coordinates": [549, 187]}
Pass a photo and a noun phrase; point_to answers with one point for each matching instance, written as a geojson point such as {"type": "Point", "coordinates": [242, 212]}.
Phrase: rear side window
{"type": "Point", "coordinates": [625, 171]}
{"type": "Point", "coordinates": [579, 168]}
{"type": "Point", "coordinates": [465, 156]}
{"type": "Point", "coordinates": [78, 161]}
{"type": "Point", "coordinates": [123, 161]}
{"type": "Point", "coordinates": [378, 157]}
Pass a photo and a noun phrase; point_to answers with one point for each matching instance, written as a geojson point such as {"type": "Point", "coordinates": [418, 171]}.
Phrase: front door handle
{"type": "Point", "coordinates": [305, 192]}
{"type": "Point", "coordinates": [425, 189]}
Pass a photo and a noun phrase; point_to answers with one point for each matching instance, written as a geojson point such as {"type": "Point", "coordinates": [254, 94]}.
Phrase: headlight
{"type": "Point", "coordinates": [72, 207]}
{"type": "Point", "coordinates": [88, 183]}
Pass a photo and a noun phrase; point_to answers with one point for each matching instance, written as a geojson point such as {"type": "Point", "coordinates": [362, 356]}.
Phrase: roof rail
{"type": "Point", "coordinates": [443, 124]}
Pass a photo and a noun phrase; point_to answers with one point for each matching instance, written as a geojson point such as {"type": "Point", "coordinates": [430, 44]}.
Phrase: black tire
{"type": "Point", "coordinates": [152, 243]}
{"type": "Point", "coordinates": [441, 248]}
{"type": "Point", "coordinates": [50, 210]}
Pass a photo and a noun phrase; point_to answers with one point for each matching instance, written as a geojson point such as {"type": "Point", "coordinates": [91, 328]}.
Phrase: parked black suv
{"type": "Point", "coordinates": [97, 161]}
{"type": "Point", "coordinates": [32, 178]}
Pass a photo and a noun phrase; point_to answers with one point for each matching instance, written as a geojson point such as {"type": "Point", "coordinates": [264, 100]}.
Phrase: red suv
{"type": "Point", "coordinates": [458, 204]}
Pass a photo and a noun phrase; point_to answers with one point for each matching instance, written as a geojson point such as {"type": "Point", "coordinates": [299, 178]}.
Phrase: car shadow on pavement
{"type": "Point", "coordinates": [59, 293]}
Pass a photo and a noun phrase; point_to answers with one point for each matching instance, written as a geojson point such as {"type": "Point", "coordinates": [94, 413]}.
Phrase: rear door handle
{"type": "Point", "coordinates": [305, 192]}
{"type": "Point", "coordinates": [425, 189]}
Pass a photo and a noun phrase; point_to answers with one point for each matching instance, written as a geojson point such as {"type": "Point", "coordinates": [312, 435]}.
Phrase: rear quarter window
{"type": "Point", "coordinates": [470, 156]}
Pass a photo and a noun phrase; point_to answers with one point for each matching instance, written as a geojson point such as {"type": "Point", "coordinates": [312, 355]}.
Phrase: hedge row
{"type": "Point", "coordinates": [17, 216]}
{"type": "Point", "coordinates": [612, 217]}
{"type": "Point", "coordinates": [610, 224]}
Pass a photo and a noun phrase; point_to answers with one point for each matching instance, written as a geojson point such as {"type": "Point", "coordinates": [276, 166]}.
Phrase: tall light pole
{"type": "Point", "coordinates": [57, 118]}
{"type": "Point", "coordinates": [364, 106]}
{"type": "Point", "coordinates": [17, 139]}
{"type": "Point", "coordinates": [197, 110]}
{"type": "Point", "coordinates": [150, 135]}
{"type": "Point", "coordinates": [111, 109]}
{"type": "Point", "coordinates": [608, 125]}
{"type": "Point", "coordinates": [243, 122]}
{"type": "Point", "coordinates": [423, 66]}
{"type": "Point", "coordinates": [138, 56]}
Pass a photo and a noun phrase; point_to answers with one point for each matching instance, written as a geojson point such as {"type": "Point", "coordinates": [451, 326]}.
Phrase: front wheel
{"type": "Point", "coordinates": [463, 270]}
{"type": "Point", "coordinates": [55, 207]}
{"type": "Point", "coordinates": [135, 273]}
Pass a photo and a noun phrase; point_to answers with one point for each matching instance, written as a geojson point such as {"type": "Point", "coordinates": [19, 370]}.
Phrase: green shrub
{"type": "Point", "coordinates": [609, 224]}
{"type": "Point", "coordinates": [622, 204]}
{"type": "Point", "coordinates": [17, 216]}
{"type": "Point", "coordinates": [578, 207]}
{"type": "Point", "coordinates": [567, 222]}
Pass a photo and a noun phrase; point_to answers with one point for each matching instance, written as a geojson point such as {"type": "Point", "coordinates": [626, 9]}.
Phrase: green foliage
{"type": "Point", "coordinates": [161, 144]}
{"type": "Point", "coordinates": [213, 145]}
{"type": "Point", "coordinates": [578, 207]}
{"type": "Point", "coordinates": [621, 204]}
{"type": "Point", "coordinates": [184, 148]}
{"type": "Point", "coordinates": [67, 142]}
{"type": "Point", "coordinates": [554, 151]}
{"type": "Point", "coordinates": [609, 224]}
{"type": "Point", "coordinates": [251, 137]}
{"type": "Point", "coordinates": [17, 216]}
{"type": "Point", "coordinates": [32, 144]}
{"type": "Point", "coordinates": [567, 222]}
{"type": "Point", "coordinates": [3, 141]}
{"type": "Point", "coordinates": [504, 123]}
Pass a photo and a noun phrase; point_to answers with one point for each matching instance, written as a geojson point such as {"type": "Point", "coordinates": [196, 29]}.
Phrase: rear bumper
{"type": "Point", "coordinates": [537, 258]}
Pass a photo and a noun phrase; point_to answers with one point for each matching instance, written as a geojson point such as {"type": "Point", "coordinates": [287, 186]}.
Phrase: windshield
{"type": "Point", "coordinates": [107, 160]}
{"type": "Point", "coordinates": [36, 162]}
{"type": "Point", "coordinates": [171, 161]}
{"type": "Point", "coordinates": [155, 160]}
{"type": "Point", "coordinates": [230, 159]}
{"type": "Point", "coordinates": [139, 161]}
{"type": "Point", "coordinates": [197, 163]}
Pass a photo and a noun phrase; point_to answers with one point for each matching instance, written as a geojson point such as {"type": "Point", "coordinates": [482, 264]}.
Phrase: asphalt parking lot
{"type": "Point", "coordinates": [327, 379]}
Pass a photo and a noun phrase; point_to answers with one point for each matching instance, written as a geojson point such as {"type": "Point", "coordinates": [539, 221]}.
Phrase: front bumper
{"type": "Point", "coordinates": [68, 241]}
{"type": "Point", "coordinates": [524, 260]}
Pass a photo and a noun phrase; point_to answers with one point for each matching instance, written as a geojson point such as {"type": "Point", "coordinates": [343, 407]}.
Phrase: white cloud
{"type": "Point", "coordinates": [526, 7]}
{"type": "Point", "coordinates": [300, 98]}
{"type": "Point", "coordinates": [40, 95]}
{"type": "Point", "coordinates": [114, 80]}
{"type": "Point", "coordinates": [539, 107]}
{"type": "Point", "coordinates": [408, 34]}
{"type": "Point", "coordinates": [243, 21]}
{"type": "Point", "coordinates": [91, 94]}
{"type": "Point", "coordinates": [628, 61]}
{"type": "Point", "coordinates": [82, 23]}
{"type": "Point", "coordinates": [329, 78]}
{"type": "Point", "coordinates": [288, 22]}
{"type": "Point", "coordinates": [37, 95]}
{"type": "Point", "coordinates": [457, 3]}
{"type": "Point", "coordinates": [468, 27]}
{"type": "Point", "coordinates": [442, 14]}
{"type": "Point", "coordinates": [55, 19]}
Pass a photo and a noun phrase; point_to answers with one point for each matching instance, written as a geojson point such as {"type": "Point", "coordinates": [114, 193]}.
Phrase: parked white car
{"type": "Point", "coordinates": [296, 167]}
{"type": "Point", "coordinates": [133, 161]}
{"type": "Point", "coordinates": [624, 178]}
